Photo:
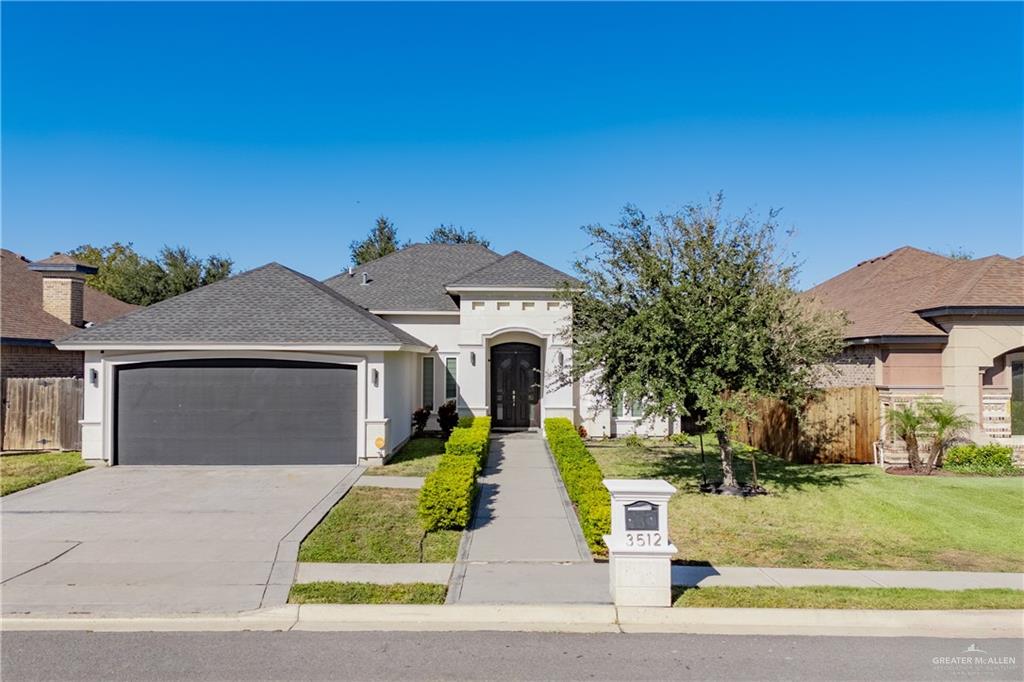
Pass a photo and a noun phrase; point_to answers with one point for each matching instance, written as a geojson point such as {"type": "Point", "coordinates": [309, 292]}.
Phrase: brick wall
{"type": "Point", "coordinates": [40, 361]}
{"type": "Point", "coordinates": [853, 367]}
{"type": "Point", "coordinates": [64, 298]}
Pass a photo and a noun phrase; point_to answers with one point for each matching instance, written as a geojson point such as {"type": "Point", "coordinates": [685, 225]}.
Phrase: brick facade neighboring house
{"type": "Point", "coordinates": [43, 301]}
{"type": "Point", "coordinates": [924, 326]}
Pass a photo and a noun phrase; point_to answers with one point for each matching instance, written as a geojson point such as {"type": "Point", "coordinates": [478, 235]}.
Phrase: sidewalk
{"type": "Point", "coordinates": [525, 545]}
{"type": "Point", "coordinates": [743, 576]}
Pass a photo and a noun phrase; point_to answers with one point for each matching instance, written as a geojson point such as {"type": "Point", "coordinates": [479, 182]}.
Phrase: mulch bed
{"type": "Point", "coordinates": [907, 471]}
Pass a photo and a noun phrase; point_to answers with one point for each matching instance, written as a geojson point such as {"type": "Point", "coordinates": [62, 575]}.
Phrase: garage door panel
{"type": "Point", "coordinates": [236, 412]}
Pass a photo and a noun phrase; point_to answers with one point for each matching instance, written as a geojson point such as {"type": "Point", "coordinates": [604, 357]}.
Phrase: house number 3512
{"type": "Point", "coordinates": [643, 539]}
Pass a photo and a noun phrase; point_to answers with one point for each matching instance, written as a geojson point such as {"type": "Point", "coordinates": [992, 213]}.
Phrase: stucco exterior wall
{"type": "Point", "coordinates": [400, 391]}
{"type": "Point", "coordinates": [973, 347]}
{"type": "Point", "coordinates": [912, 367]}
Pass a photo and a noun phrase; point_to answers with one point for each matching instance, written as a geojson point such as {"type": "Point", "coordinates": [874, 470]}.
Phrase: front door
{"type": "Point", "coordinates": [515, 385]}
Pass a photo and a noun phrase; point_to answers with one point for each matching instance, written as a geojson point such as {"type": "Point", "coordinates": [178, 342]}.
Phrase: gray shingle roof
{"type": "Point", "coordinates": [413, 278]}
{"type": "Point", "coordinates": [269, 305]}
{"type": "Point", "coordinates": [514, 270]}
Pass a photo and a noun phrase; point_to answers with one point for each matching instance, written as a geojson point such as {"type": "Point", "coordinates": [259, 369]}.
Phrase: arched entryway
{"type": "Point", "coordinates": [516, 383]}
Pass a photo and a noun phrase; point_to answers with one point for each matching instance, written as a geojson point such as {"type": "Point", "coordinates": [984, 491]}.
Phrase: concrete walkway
{"type": "Point", "coordinates": [743, 576]}
{"type": "Point", "coordinates": [161, 539]}
{"type": "Point", "coordinates": [525, 545]}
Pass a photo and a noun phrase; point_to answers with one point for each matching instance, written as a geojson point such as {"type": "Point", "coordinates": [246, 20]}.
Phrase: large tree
{"type": "Point", "coordinates": [131, 277]}
{"type": "Point", "coordinates": [450, 234]}
{"type": "Point", "coordinates": [696, 313]}
{"type": "Point", "coordinates": [382, 240]}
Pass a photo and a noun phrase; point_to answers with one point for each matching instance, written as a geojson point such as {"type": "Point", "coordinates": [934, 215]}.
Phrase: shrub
{"type": "Point", "coordinates": [582, 478]}
{"type": "Point", "coordinates": [446, 499]}
{"type": "Point", "coordinates": [448, 417]}
{"type": "Point", "coordinates": [680, 439]}
{"type": "Point", "coordinates": [633, 441]}
{"type": "Point", "coordinates": [980, 459]}
{"type": "Point", "coordinates": [471, 442]}
{"type": "Point", "coordinates": [420, 417]}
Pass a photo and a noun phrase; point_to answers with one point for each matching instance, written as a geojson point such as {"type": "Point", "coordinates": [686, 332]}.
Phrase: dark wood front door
{"type": "Point", "coordinates": [515, 385]}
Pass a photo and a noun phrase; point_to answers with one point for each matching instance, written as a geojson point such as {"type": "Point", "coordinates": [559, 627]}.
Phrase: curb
{"type": "Point", "coordinates": [561, 618]}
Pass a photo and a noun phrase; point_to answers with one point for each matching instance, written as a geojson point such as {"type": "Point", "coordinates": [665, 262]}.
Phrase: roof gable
{"type": "Point", "coordinates": [515, 270]}
{"type": "Point", "coordinates": [413, 278]}
{"type": "Point", "coordinates": [271, 305]}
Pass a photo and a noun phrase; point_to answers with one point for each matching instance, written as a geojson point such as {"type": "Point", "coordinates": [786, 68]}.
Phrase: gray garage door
{"type": "Point", "coordinates": [235, 412]}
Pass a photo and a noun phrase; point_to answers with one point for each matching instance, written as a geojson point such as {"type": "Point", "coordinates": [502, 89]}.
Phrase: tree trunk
{"type": "Point", "coordinates": [728, 475]}
{"type": "Point", "coordinates": [913, 459]}
{"type": "Point", "coordinates": [934, 458]}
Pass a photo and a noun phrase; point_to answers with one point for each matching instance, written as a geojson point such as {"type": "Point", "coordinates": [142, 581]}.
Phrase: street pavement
{"type": "Point", "coordinates": [497, 656]}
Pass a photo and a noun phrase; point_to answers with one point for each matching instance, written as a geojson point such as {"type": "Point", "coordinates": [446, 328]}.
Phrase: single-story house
{"type": "Point", "coordinates": [273, 367]}
{"type": "Point", "coordinates": [43, 301]}
{"type": "Point", "coordinates": [925, 326]}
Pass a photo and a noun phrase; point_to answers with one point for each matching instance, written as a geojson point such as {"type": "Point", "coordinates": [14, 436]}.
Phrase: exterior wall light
{"type": "Point", "coordinates": [472, 358]}
{"type": "Point", "coordinates": [375, 377]}
{"type": "Point", "coordinates": [94, 377]}
{"type": "Point", "coordinates": [561, 359]}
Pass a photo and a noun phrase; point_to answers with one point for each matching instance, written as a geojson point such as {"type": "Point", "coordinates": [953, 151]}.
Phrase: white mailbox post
{"type": "Point", "coordinates": [639, 550]}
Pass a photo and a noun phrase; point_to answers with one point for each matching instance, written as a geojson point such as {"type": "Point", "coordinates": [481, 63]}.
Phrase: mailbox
{"type": "Point", "coordinates": [639, 550]}
{"type": "Point", "coordinates": [641, 515]}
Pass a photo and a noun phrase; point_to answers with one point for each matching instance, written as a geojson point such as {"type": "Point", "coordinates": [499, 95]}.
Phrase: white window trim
{"type": "Point", "coordinates": [455, 359]}
{"type": "Point", "coordinates": [433, 380]}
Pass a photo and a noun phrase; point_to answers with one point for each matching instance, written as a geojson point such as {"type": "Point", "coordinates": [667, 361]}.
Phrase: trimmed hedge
{"type": "Point", "coordinates": [446, 499]}
{"type": "Point", "coordinates": [980, 459]}
{"type": "Point", "coordinates": [582, 478]}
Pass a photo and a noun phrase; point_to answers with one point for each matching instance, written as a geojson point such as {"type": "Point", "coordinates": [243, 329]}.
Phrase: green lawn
{"type": "Point", "coordinates": [849, 598]}
{"type": "Point", "coordinates": [367, 593]}
{"type": "Point", "coordinates": [418, 457]}
{"type": "Point", "coordinates": [831, 516]}
{"type": "Point", "coordinates": [377, 526]}
{"type": "Point", "coordinates": [18, 472]}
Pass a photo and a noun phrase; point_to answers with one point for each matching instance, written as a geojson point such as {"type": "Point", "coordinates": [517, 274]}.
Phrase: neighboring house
{"type": "Point", "coordinates": [924, 326]}
{"type": "Point", "coordinates": [42, 301]}
{"type": "Point", "coordinates": [273, 367]}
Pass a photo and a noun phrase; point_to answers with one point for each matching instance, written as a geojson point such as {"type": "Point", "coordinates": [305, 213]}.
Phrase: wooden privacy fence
{"type": "Point", "coordinates": [42, 414]}
{"type": "Point", "coordinates": [841, 426]}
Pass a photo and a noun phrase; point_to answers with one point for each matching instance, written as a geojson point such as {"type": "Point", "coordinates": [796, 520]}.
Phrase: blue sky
{"type": "Point", "coordinates": [279, 132]}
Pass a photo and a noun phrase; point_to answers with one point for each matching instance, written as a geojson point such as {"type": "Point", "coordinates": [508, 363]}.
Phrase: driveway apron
{"type": "Point", "coordinates": [525, 545]}
{"type": "Point", "coordinates": [161, 539]}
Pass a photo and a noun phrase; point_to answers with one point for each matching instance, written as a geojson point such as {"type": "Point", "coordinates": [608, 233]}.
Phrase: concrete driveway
{"type": "Point", "coordinates": [148, 540]}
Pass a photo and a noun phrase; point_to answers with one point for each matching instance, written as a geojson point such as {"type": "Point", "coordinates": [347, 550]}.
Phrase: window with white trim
{"type": "Point", "coordinates": [621, 409]}
{"type": "Point", "coordinates": [451, 385]}
{"type": "Point", "coordinates": [428, 383]}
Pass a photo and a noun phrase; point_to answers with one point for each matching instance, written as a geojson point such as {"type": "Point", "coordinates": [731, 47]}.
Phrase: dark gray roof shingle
{"type": "Point", "coordinates": [514, 270]}
{"type": "Point", "coordinates": [271, 304]}
{"type": "Point", "coordinates": [412, 278]}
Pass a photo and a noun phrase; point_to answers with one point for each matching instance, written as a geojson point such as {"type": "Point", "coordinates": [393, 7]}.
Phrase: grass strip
{"type": "Point", "coordinates": [367, 593]}
{"type": "Point", "coordinates": [21, 471]}
{"type": "Point", "coordinates": [848, 598]}
{"type": "Point", "coordinates": [377, 526]}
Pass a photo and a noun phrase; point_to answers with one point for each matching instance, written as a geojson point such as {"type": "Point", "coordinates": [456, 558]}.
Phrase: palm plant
{"type": "Point", "coordinates": [945, 424]}
{"type": "Point", "coordinates": [906, 423]}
